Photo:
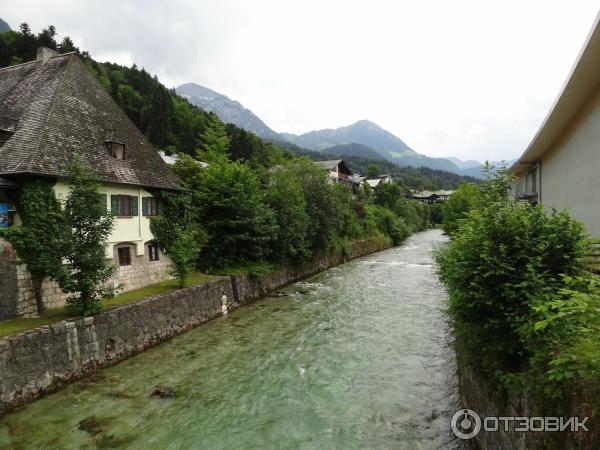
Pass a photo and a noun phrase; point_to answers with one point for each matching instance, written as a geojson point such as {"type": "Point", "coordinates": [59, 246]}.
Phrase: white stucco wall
{"type": "Point", "coordinates": [570, 171]}
{"type": "Point", "coordinates": [135, 230]}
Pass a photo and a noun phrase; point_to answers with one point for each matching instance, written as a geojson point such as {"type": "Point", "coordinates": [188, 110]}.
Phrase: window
{"type": "Point", "coordinates": [124, 205]}
{"type": "Point", "coordinates": [117, 150]}
{"type": "Point", "coordinates": [153, 252]}
{"type": "Point", "coordinates": [149, 206]}
{"type": "Point", "coordinates": [124, 256]}
{"type": "Point", "coordinates": [531, 181]}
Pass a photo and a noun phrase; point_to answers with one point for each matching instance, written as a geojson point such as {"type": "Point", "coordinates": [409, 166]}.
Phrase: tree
{"type": "Point", "coordinates": [183, 252]}
{"type": "Point", "coordinates": [386, 194]}
{"type": "Point", "coordinates": [214, 139]}
{"type": "Point", "coordinates": [87, 216]}
{"type": "Point", "coordinates": [457, 207]}
{"type": "Point", "coordinates": [373, 171]}
{"type": "Point", "coordinates": [178, 232]}
{"type": "Point", "coordinates": [284, 196]}
{"type": "Point", "coordinates": [231, 204]}
{"type": "Point", "coordinates": [42, 217]}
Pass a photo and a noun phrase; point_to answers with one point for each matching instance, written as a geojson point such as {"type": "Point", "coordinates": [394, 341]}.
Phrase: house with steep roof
{"type": "Point", "coordinates": [52, 109]}
{"type": "Point", "coordinates": [337, 170]}
{"type": "Point", "coordinates": [561, 165]}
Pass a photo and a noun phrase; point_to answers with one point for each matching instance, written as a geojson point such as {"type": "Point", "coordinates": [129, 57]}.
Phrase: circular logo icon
{"type": "Point", "coordinates": [466, 424]}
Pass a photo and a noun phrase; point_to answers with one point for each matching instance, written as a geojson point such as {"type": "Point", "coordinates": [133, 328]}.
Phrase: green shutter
{"type": "Point", "coordinates": [161, 206]}
{"type": "Point", "coordinates": [104, 201]}
{"type": "Point", "coordinates": [134, 206]}
{"type": "Point", "coordinates": [145, 205]}
{"type": "Point", "coordinates": [114, 204]}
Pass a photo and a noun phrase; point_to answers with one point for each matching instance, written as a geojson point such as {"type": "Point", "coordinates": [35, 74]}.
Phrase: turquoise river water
{"type": "Point", "coordinates": [357, 357]}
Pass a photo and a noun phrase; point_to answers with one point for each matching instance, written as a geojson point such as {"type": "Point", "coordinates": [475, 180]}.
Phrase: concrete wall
{"type": "Point", "coordinates": [569, 170]}
{"type": "Point", "coordinates": [42, 360]}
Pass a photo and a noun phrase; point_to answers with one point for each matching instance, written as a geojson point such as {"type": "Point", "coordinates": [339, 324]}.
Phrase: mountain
{"type": "Point", "coordinates": [363, 139]}
{"type": "Point", "coordinates": [477, 171]}
{"type": "Point", "coordinates": [4, 26]}
{"type": "Point", "coordinates": [464, 164]}
{"type": "Point", "coordinates": [371, 135]}
{"type": "Point", "coordinates": [359, 150]}
{"type": "Point", "coordinates": [229, 111]}
{"type": "Point", "coordinates": [362, 132]}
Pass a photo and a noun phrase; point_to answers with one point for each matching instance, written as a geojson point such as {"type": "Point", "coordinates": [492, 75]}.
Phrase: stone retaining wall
{"type": "Point", "coordinates": [477, 395]}
{"type": "Point", "coordinates": [40, 361]}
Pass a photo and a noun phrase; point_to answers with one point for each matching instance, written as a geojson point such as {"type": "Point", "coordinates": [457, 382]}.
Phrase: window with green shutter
{"type": "Point", "coordinates": [124, 205]}
{"type": "Point", "coordinates": [149, 206]}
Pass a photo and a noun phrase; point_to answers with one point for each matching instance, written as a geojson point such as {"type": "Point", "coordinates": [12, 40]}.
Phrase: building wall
{"type": "Point", "coordinates": [127, 229]}
{"type": "Point", "coordinates": [16, 289]}
{"type": "Point", "coordinates": [569, 171]}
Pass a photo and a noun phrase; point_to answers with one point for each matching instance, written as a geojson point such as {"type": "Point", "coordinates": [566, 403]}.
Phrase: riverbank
{"type": "Point", "coordinates": [42, 360]}
{"type": "Point", "coordinates": [355, 357]}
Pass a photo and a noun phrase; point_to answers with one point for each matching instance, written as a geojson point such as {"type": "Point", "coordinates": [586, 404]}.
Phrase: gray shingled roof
{"type": "Point", "coordinates": [328, 165]}
{"type": "Point", "coordinates": [55, 109]}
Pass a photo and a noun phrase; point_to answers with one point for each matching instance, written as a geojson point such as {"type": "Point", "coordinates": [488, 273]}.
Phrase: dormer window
{"type": "Point", "coordinates": [117, 150]}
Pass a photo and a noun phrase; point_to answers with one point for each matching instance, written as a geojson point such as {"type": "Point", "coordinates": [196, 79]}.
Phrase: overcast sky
{"type": "Point", "coordinates": [466, 78]}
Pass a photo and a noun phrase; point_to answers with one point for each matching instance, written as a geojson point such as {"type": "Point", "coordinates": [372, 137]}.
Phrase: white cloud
{"type": "Point", "coordinates": [470, 78]}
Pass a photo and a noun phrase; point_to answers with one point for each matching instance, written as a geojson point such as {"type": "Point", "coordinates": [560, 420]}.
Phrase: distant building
{"type": "Point", "coordinates": [385, 178]}
{"type": "Point", "coordinates": [172, 159]}
{"type": "Point", "coordinates": [561, 166]}
{"type": "Point", "coordinates": [337, 170]}
{"type": "Point", "coordinates": [52, 109]}
{"type": "Point", "coordinates": [430, 196]}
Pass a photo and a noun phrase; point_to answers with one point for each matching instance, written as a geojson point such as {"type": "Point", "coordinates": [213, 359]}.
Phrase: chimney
{"type": "Point", "coordinates": [45, 53]}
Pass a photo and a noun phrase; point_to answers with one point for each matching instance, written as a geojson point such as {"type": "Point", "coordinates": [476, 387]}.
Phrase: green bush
{"type": "Point", "coordinates": [466, 198]}
{"type": "Point", "coordinates": [391, 225]}
{"type": "Point", "coordinates": [503, 266]}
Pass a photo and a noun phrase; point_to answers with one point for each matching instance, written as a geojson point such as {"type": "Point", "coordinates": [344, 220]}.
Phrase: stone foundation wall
{"type": "Point", "coordinates": [40, 361]}
{"type": "Point", "coordinates": [16, 289]}
{"type": "Point", "coordinates": [8, 281]}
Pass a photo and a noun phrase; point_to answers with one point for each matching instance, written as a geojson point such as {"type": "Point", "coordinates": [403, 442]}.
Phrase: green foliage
{"type": "Point", "coordinates": [372, 171]}
{"type": "Point", "coordinates": [391, 225]}
{"type": "Point", "coordinates": [42, 216]}
{"type": "Point", "coordinates": [456, 209]}
{"type": "Point", "coordinates": [177, 212]}
{"type": "Point", "coordinates": [436, 211]}
{"type": "Point", "coordinates": [183, 253]}
{"type": "Point", "coordinates": [87, 268]}
{"type": "Point", "coordinates": [285, 197]}
{"type": "Point", "coordinates": [386, 194]}
{"type": "Point", "coordinates": [504, 268]}
{"type": "Point", "coordinates": [414, 214]}
{"type": "Point", "coordinates": [230, 201]}
{"type": "Point", "coordinates": [214, 139]}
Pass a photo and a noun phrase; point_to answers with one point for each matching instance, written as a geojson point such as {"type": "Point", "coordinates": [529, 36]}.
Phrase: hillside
{"type": "Point", "coordinates": [371, 135]}
{"type": "Point", "coordinates": [171, 122]}
{"type": "Point", "coordinates": [4, 26]}
{"type": "Point", "coordinates": [362, 132]}
{"type": "Point", "coordinates": [358, 150]}
{"type": "Point", "coordinates": [229, 111]}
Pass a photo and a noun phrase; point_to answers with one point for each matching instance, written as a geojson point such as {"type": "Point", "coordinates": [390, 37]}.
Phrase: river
{"type": "Point", "coordinates": [357, 357]}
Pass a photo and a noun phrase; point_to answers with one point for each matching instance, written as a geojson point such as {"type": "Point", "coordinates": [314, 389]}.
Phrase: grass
{"type": "Point", "coordinates": [20, 324]}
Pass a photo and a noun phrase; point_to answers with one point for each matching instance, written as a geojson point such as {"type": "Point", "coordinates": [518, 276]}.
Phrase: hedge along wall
{"type": "Point", "coordinates": [40, 361]}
